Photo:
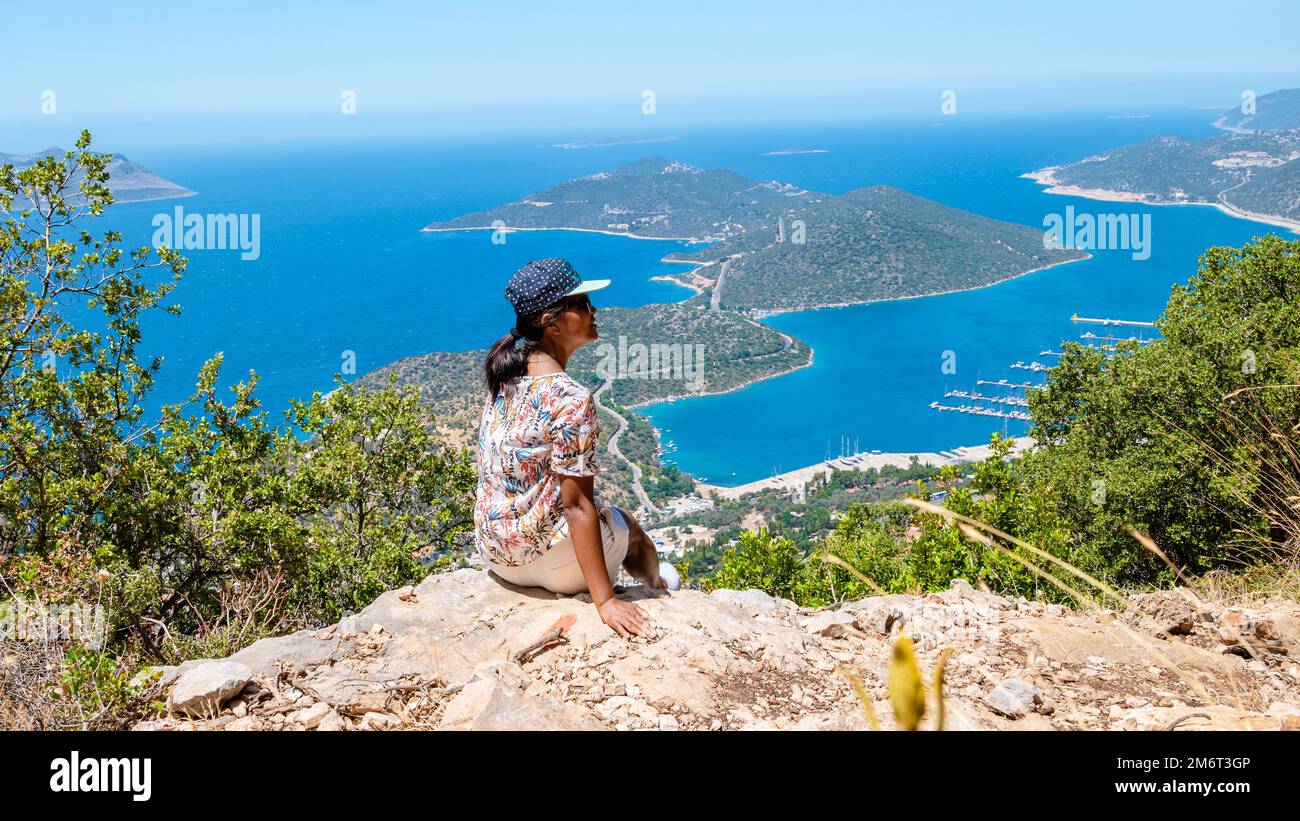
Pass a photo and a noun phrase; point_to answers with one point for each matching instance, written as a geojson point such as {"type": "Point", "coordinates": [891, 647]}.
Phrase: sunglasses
{"type": "Point", "coordinates": [581, 302]}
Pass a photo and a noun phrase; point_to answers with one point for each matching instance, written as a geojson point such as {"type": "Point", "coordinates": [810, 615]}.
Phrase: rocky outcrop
{"type": "Point", "coordinates": [200, 690]}
{"type": "Point", "coordinates": [465, 651]}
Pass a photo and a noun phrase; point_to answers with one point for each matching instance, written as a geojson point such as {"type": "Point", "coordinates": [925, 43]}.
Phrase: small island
{"type": "Point", "coordinates": [128, 181]}
{"type": "Point", "coordinates": [773, 246]}
{"type": "Point", "coordinates": [605, 142]}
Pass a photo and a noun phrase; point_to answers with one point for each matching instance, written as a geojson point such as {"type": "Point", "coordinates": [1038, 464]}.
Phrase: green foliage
{"type": "Point", "coordinates": [1151, 439]}
{"type": "Point", "coordinates": [702, 560]}
{"type": "Point", "coordinates": [668, 483]}
{"type": "Point", "coordinates": [69, 397]}
{"type": "Point", "coordinates": [177, 523]}
{"type": "Point", "coordinates": [759, 561]}
{"type": "Point", "coordinates": [93, 689]}
{"type": "Point", "coordinates": [383, 494]}
{"type": "Point", "coordinates": [867, 538]}
{"type": "Point", "coordinates": [896, 548]}
{"type": "Point", "coordinates": [683, 572]}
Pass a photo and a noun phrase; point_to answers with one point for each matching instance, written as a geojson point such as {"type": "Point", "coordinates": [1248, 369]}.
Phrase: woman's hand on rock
{"type": "Point", "coordinates": [625, 618]}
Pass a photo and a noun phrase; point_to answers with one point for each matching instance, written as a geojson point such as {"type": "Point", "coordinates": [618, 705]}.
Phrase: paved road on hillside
{"type": "Point", "coordinates": [637, 487]}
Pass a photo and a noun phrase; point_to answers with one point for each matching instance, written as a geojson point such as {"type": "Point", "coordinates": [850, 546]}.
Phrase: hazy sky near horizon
{"type": "Point", "coordinates": [281, 69]}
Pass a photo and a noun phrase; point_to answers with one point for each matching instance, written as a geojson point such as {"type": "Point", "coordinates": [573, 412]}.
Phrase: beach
{"type": "Point", "coordinates": [688, 279]}
{"type": "Point", "coordinates": [1046, 176]}
{"type": "Point", "coordinates": [795, 479]}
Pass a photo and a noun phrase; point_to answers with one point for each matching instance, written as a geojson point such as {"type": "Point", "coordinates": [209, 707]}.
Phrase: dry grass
{"type": "Point", "coordinates": [993, 537]}
{"type": "Point", "coordinates": [1261, 586]}
{"type": "Point", "coordinates": [1257, 452]}
{"type": "Point", "coordinates": [28, 670]}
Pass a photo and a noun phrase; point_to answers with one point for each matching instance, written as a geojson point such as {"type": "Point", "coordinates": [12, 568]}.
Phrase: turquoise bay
{"type": "Point", "coordinates": [345, 268]}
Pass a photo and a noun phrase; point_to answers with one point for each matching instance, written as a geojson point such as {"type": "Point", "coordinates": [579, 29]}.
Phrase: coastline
{"type": "Point", "coordinates": [1241, 213]}
{"type": "Point", "coordinates": [673, 278]}
{"type": "Point", "coordinates": [811, 356]}
{"type": "Point", "coordinates": [697, 290]}
{"type": "Point", "coordinates": [509, 228]}
{"type": "Point", "coordinates": [1046, 176]}
{"type": "Point", "coordinates": [794, 479]}
{"type": "Point", "coordinates": [764, 313]}
{"type": "Point", "coordinates": [188, 193]}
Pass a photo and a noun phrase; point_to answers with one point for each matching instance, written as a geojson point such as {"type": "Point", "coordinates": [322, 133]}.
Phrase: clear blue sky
{"type": "Point", "coordinates": [211, 68]}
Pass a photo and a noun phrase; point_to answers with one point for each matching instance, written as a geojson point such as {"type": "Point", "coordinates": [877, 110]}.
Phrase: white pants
{"type": "Point", "coordinates": [558, 570]}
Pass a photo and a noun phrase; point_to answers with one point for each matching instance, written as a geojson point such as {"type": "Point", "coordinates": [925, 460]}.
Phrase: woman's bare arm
{"type": "Point", "coordinates": [577, 497]}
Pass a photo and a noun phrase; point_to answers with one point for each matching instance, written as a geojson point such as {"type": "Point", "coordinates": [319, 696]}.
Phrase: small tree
{"type": "Point", "coordinates": [386, 496]}
{"type": "Point", "coordinates": [70, 382]}
{"type": "Point", "coordinates": [1125, 437]}
{"type": "Point", "coordinates": [173, 519]}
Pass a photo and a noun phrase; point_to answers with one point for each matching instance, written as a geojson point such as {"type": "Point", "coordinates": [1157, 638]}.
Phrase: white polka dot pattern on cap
{"type": "Point", "coordinates": [539, 283]}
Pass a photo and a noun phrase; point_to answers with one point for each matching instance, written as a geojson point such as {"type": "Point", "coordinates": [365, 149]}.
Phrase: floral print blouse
{"type": "Point", "coordinates": [535, 429]}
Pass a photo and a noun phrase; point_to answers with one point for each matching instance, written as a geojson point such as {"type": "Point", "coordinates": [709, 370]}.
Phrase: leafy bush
{"type": "Point", "coordinates": [208, 527]}
{"type": "Point", "coordinates": [896, 548]}
{"type": "Point", "coordinates": [1144, 439]}
{"type": "Point", "coordinates": [383, 495]}
{"type": "Point", "coordinates": [760, 561]}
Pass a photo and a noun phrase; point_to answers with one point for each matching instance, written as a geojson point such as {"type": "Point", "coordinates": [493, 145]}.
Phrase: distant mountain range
{"type": "Point", "coordinates": [1251, 172]}
{"type": "Point", "coordinates": [787, 248]}
{"type": "Point", "coordinates": [128, 181]}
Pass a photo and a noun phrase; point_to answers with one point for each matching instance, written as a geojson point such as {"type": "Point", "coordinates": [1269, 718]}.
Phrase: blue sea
{"type": "Point", "coordinates": [344, 271]}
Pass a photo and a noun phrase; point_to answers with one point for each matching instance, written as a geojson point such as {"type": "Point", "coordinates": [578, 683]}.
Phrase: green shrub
{"type": "Point", "coordinates": [759, 561]}
{"type": "Point", "coordinates": [174, 516]}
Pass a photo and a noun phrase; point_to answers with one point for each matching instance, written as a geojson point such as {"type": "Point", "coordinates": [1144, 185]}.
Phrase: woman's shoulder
{"type": "Point", "coordinates": [571, 388]}
{"type": "Point", "coordinates": [556, 382]}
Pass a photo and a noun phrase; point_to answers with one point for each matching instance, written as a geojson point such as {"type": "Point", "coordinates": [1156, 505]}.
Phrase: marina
{"type": "Point", "coordinates": [1010, 406]}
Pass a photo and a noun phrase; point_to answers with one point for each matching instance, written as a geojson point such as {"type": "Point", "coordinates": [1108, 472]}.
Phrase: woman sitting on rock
{"type": "Point", "coordinates": [535, 521]}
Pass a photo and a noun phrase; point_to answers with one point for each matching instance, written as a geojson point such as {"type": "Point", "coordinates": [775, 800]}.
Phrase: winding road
{"type": "Point", "coordinates": [715, 301]}
{"type": "Point", "coordinates": [637, 487]}
{"type": "Point", "coordinates": [715, 304]}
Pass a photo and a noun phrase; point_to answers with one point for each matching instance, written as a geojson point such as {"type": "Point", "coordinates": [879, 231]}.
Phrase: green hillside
{"type": "Point", "coordinates": [794, 248]}
{"type": "Point", "coordinates": [1276, 111]}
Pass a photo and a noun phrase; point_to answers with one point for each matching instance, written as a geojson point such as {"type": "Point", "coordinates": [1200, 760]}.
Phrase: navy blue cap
{"type": "Point", "coordinates": [544, 281]}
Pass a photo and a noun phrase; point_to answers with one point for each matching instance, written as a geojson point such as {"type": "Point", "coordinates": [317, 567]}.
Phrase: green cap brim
{"type": "Point", "coordinates": [589, 285]}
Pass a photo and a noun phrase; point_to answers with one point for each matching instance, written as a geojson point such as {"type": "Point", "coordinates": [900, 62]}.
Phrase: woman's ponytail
{"type": "Point", "coordinates": [507, 361]}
